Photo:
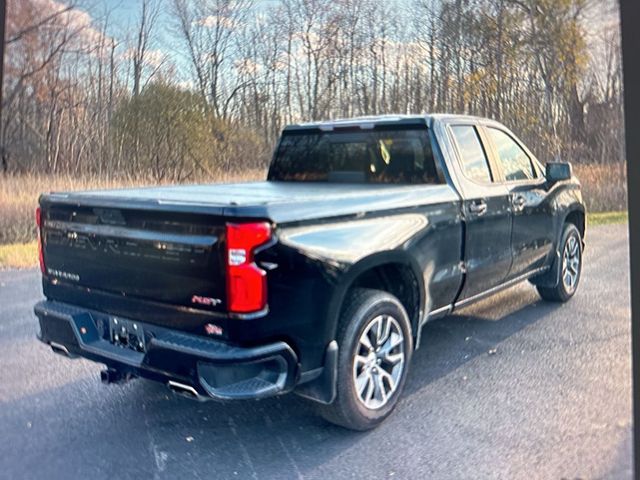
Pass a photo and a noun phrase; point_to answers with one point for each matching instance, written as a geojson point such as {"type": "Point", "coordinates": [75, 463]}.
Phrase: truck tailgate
{"type": "Point", "coordinates": [164, 256]}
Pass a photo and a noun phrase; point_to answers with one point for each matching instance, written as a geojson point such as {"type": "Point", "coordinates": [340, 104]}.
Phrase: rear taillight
{"type": "Point", "coordinates": [40, 254]}
{"type": "Point", "coordinates": [246, 282]}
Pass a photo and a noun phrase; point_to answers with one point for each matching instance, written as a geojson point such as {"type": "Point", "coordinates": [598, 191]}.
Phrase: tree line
{"type": "Point", "coordinates": [192, 88]}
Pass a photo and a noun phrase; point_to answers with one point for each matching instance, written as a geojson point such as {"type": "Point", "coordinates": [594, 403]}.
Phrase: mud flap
{"type": "Point", "coordinates": [323, 388]}
{"type": "Point", "coordinates": [551, 277]}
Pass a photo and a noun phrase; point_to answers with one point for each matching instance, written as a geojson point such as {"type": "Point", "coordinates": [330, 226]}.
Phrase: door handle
{"type": "Point", "coordinates": [479, 208]}
{"type": "Point", "coordinates": [518, 202]}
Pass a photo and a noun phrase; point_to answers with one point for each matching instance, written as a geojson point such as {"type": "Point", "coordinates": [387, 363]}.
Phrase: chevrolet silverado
{"type": "Point", "coordinates": [319, 279]}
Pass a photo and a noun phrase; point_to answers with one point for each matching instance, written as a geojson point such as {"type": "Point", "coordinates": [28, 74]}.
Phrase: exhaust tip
{"type": "Point", "coordinates": [60, 349]}
{"type": "Point", "coordinates": [184, 390]}
{"type": "Point", "coordinates": [111, 375]}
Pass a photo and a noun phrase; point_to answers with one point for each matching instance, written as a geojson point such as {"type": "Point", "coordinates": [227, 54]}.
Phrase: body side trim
{"type": "Point", "coordinates": [497, 288]}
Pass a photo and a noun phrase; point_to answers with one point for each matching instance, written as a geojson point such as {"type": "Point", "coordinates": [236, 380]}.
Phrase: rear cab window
{"type": "Point", "coordinates": [473, 158]}
{"type": "Point", "coordinates": [378, 155]}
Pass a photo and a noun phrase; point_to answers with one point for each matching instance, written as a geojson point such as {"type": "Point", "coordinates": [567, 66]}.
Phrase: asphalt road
{"type": "Point", "coordinates": [552, 401]}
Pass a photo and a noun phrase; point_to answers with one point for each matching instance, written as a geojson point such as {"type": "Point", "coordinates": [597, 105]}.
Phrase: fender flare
{"type": "Point", "coordinates": [365, 264]}
{"type": "Point", "coordinates": [323, 388]}
{"type": "Point", "coordinates": [551, 278]}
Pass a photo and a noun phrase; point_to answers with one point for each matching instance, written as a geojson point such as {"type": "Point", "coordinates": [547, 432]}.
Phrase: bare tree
{"type": "Point", "coordinates": [77, 100]}
{"type": "Point", "coordinates": [144, 35]}
{"type": "Point", "coordinates": [208, 29]}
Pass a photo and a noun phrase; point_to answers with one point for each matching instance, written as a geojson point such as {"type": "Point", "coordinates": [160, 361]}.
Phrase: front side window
{"type": "Point", "coordinates": [379, 155]}
{"type": "Point", "coordinates": [474, 160]}
{"type": "Point", "coordinates": [515, 163]}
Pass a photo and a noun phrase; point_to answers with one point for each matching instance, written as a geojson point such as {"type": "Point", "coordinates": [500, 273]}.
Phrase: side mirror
{"type": "Point", "coordinates": [558, 171]}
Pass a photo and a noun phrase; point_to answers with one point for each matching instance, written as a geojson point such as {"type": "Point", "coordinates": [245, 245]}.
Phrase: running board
{"type": "Point", "coordinates": [447, 309]}
{"type": "Point", "coordinates": [497, 288]}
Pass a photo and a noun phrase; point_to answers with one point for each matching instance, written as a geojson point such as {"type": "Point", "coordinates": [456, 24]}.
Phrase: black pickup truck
{"type": "Point", "coordinates": [318, 280]}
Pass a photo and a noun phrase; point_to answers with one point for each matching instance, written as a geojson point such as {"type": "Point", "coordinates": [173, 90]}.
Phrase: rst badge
{"type": "Point", "coordinates": [208, 301]}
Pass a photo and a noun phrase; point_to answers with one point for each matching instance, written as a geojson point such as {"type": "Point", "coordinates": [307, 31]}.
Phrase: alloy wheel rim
{"type": "Point", "coordinates": [571, 263]}
{"type": "Point", "coordinates": [379, 361]}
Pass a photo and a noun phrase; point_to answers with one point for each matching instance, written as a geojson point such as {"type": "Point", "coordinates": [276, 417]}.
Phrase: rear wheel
{"type": "Point", "coordinates": [570, 268]}
{"type": "Point", "coordinates": [375, 347]}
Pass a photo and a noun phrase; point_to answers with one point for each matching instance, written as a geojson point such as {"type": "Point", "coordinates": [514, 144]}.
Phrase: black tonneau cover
{"type": "Point", "coordinates": [280, 202]}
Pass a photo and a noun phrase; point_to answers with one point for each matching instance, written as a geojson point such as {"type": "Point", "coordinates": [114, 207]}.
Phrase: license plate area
{"type": "Point", "coordinates": [127, 334]}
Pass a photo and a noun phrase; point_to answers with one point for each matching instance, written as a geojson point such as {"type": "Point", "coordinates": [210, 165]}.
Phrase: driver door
{"type": "Point", "coordinates": [532, 233]}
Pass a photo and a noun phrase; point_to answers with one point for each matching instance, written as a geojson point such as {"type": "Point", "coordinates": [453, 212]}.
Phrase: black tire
{"type": "Point", "coordinates": [366, 309]}
{"type": "Point", "coordinates": [563, 291]}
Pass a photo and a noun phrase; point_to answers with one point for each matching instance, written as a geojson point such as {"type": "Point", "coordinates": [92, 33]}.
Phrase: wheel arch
{"type": "Point", "coordinates": [394, 272]}
{"type": "Point", "coordinates": [577, 216]}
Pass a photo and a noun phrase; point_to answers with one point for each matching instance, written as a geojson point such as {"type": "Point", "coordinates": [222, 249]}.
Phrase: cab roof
{"type": "Point", "coordinates": [366, 122]}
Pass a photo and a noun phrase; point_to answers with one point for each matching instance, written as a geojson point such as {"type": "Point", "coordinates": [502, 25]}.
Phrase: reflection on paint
{"type": "Point", "coordinates": [353, 240]}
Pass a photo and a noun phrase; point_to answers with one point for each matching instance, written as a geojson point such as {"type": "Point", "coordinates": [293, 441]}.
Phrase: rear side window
{"type": "Point", "coordinates": [380, 155]}
{"type": "Point", "coordinates": [474, 160]}
{"type": "Point", "coordinates": [515, 163]}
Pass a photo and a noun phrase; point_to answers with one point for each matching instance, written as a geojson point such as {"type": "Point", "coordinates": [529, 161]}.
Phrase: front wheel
{"type": "Point", "coordinates": [570, 268]}
{"type": "Point", "coordinates": [375, 347]}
